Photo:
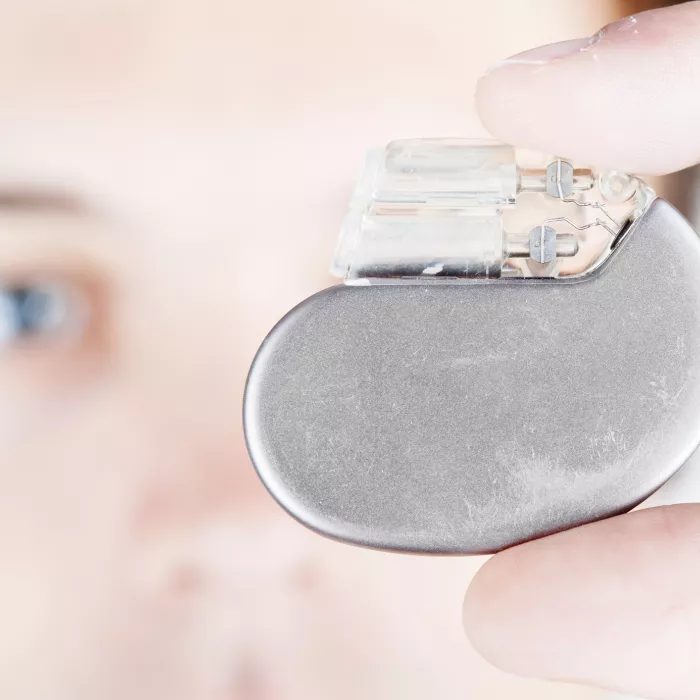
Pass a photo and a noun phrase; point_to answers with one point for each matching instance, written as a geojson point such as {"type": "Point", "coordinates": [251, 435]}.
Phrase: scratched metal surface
{"type": "Point", "coordinates": [464, 419]}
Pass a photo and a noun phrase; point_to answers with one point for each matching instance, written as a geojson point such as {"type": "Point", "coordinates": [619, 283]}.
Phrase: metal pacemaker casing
{"type": "Point", "coordinates": [468, 418]}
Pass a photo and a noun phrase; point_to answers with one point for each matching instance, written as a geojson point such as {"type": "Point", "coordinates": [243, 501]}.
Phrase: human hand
{"type": "Point", "coordinates": [615, 604]}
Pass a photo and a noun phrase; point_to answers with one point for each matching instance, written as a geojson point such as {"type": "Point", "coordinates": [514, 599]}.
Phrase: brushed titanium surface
{"type": "Point", "coordinates": [467, 418]}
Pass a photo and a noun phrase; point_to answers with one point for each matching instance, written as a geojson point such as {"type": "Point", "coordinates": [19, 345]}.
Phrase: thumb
{"type": "Point", "coordinates": [615, 604]}
{"type": "Point", "coordinates": [627, 98]}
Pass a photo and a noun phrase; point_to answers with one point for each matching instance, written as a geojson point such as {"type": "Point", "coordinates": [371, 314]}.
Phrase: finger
{"type": "Point", "coordinates": [627, 98]}
{"type": "Point", "coordinates": [615, 604]}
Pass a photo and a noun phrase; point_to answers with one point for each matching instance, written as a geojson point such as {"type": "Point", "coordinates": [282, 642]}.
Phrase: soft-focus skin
{"type": "Point", "coordinates": [204, 152]}
{"type": "Point", "coordinates": [615, 604]}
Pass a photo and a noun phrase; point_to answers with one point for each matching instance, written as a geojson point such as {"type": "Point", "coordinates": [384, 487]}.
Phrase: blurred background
{"type": "Point", "coordinates": [172, 179]}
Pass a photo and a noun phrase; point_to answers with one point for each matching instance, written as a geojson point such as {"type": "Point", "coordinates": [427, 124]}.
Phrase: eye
{"type": "Point", "coordinates": [41, 312]}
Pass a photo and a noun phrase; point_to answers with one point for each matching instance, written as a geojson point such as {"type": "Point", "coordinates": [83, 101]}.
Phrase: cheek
{"type": "Point", "coordinates": [83, 512]}
{"type": "Point", "coordinates": [66, 504]}
{"type": "Point", "coordinates": [184, 351]}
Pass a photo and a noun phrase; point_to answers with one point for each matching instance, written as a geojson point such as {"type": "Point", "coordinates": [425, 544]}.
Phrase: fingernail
{"type": "Point", "coordinates": [543, 55]}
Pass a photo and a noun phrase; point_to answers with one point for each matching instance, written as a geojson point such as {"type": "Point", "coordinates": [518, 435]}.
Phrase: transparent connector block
{"type": "Point", "coordinates": [451, 210]}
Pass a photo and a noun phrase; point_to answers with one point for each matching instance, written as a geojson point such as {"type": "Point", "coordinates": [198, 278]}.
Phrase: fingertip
{"type": "Point", "coordinates": [611, 604]}
{"type": "Point", "coordinates": [488, 593]}
{"type": "Point", "coordinates": [626, 98]}
{"type": "Point", "coordinates": [498, 98]}
{"type": "Point", "coordinates": [504, 617]}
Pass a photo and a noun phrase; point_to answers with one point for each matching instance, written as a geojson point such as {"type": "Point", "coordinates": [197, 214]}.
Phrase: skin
{"type": "Point", "coordinates": [183, 167]}
{"type": "Point", "coordinates": [615, 604]}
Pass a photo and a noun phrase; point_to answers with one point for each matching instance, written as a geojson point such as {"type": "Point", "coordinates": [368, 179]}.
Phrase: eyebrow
{"type": "Point", "coordinates": [19, 199]}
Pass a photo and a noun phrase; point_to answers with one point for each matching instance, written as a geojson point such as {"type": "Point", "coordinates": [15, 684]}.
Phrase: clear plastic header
{"type": "Point", "coordinates": [449, 210]}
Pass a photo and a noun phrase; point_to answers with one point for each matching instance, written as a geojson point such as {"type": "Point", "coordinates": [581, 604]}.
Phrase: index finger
{"type": "Point", "coordinates": [627, 98]}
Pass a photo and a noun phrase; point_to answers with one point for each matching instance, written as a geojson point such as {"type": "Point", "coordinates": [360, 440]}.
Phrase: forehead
{"type": "Point", "coordinates": [95, 52]}
{"type": "Point", "coordinates": [155, 102]}
{"type": "Point", "coordinates": [104, 49]}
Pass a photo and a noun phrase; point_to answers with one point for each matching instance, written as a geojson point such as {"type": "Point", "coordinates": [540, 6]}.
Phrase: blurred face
{"type": "Point", "coordinates": [171, 181]}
